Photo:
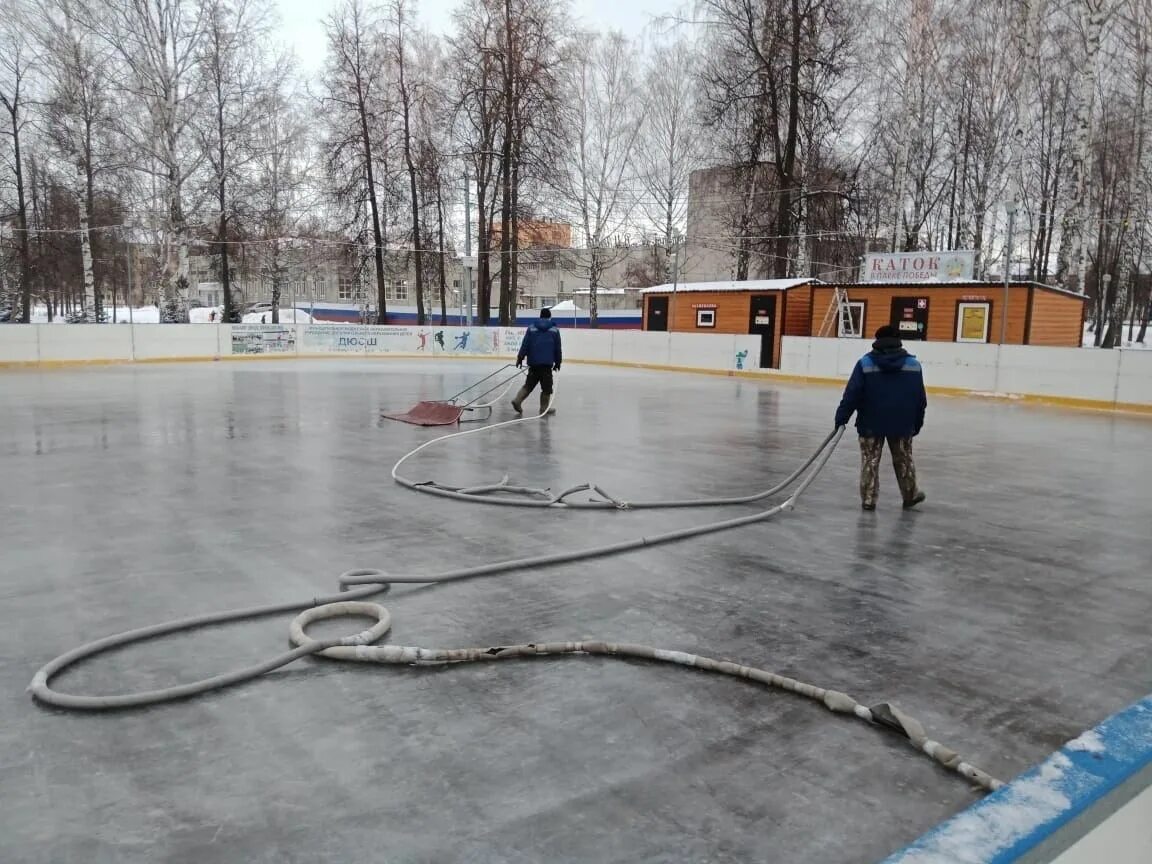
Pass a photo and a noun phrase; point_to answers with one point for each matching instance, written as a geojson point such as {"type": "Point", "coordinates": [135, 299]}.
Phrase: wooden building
{"type": "Point", "coordinates": [760, 306]}
{"type": "Point", "coordinates": [937, 311]}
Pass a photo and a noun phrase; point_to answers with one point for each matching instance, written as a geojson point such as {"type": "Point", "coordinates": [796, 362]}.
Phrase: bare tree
{"type": "Point", "coordinates": [158, 42]}
{"type": "Point", "coordinates": [433, 128]}
{"type": "Point", "coordinates": [407, 88]}
{"type": "Point", "coordinates": [606, 118]}
{"type": "Point", "coordinates": [15, 61]}
{"type": "Point", "coordinates": [1070, 266]}
{"type": "Point", "coordinates": [478, 112]}
{"type": "Point", "coordinates": [753, 96]}
{"type": "Point", "coordinates": [79, 119]}
{"type": "Point", "coordinates": [668, 147]}
{"type": "Point", "coordinates": [279, 193]}
{"type": "Point", "coordinates": [231, 64]}
{"type": "Point", "coordinates": [354, 85]}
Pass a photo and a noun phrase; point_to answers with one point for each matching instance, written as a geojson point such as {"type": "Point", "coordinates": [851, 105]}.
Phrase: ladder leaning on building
{"type": "Point", "coordinates": [838, 320]}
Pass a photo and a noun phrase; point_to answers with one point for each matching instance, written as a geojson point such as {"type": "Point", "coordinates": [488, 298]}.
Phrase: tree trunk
{"type": "Point", "coordinates": [22, 223]}
{"type": "Point", "coordinates": [1071, 258]}
{"type": "Point", "coordinates": [483, 259]}
{"type": "Point", "coordinates": [230, 311]}
{"type": "Point", "coordinates": [406, 110]}
{"type": "Point", "coordinates": [377, 237]}
{"type": "Point", "coordinates": [514, 246]}
{"type": "Point", "coordinates": [440, 246]}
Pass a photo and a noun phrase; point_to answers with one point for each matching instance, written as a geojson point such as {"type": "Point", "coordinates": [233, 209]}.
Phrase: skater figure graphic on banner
{"type": "Point", "coordinates": [461, 342]}
{"type": "Point", "coordinates": [440, 340]}
{"type": "Point", "coordinates": [741, 356]}
{"type": "Point", "coordinates": [423, 340]}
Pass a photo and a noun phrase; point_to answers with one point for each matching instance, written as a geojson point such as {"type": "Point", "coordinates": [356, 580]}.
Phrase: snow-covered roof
{"type": "Point", "coordinates": [746, 285]}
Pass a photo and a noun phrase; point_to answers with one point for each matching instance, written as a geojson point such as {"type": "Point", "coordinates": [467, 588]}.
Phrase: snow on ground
{"type": "Point", "coordinates": [287, 316]}
{"type": "Point", "coordinates": [137, 315]}
{"type": "Point", "coordinates": [1089, 340]}
{"type": "Point", "coordinates": [151, 315]}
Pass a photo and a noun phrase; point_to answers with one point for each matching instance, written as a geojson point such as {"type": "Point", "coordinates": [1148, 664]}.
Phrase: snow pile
{"type": "Point", "coordinates": [287, 316]}
{"type": "Point", "coordinates": [1016, 811]}
{"type": "Point", "coordinates": [203, 315]}
{"type": "Point", "coordinates": [138, 315]}
{"type": "Point", "coordinates": [1089, 742]}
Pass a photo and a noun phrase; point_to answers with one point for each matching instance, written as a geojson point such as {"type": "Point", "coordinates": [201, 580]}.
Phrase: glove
{"type": "Point", "coordinates": [519, 364]}
{"type": "Point", "coordinates": [556, 368]}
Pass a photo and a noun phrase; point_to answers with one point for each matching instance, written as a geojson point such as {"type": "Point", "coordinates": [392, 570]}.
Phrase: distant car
{"type": "Point", "coordinates": [5, 316]}
{"type": "Point", "coordinates": [262, 306]}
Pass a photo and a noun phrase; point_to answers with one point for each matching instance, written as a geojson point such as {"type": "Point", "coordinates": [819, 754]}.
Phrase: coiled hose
{"type": "Point", "coordinates": [355, 585]}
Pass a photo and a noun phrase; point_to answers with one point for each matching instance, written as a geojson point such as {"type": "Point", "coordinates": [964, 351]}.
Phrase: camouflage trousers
{"type": "Point", "coordinates": [870, 451]}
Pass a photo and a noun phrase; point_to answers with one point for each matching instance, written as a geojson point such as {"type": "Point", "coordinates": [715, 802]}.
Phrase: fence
{"type": "Point", "coordinates": [1100, 379]}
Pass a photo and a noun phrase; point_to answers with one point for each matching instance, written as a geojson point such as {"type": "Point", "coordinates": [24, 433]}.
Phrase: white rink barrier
{"type": "Point", "coordinates": [1072, 376]}
{"type": "Point", "coordinates": [1088, 803]}
{"type": "Point", "coordinates": [53, 344]}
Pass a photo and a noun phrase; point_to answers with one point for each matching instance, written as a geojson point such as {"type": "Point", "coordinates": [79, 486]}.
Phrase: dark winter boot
{"type": "Point", "coordinates": [918, 498]}
{"type": "Point", "coordinates": [518, 400]}
{"type": "Point", "coordinates": [546, 404]}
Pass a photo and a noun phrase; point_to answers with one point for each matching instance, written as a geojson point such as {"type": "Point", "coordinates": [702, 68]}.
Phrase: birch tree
{"type": "Point", "coordinates": [79, 120]}
{"type": "Point", "coordinates": [280, 190]}
{"type": "Point", "coordinates": [158, 42]}
{"type": "Point", "coordinates": [355, 84]}
{"type": "Point", "coordinates": [606, 116]}
{"type": "Point", "coordinates": [1070, 264]}
{"type": "Point", "coordinates": [477, 100]}
{"type": "Point", "coordinates": [231, 65]}
{"type": "Point", "coordinates": [668, 146]}
{"type": "Point", "coordinates": [408, 86]}
{"type": "Point", "coordinates": [15, 64]}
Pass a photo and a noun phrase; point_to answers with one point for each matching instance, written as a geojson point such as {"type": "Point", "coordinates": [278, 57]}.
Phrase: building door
{"type": "Point", "coordinates": [762, 323]}
{"type": "Point", "coordinates": [657, 318]}
{"type": "Point", "coordinates": [910, 317]}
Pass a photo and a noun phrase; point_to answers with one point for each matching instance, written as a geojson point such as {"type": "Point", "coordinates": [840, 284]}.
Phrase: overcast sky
{"type": "Point", "coordinates": [301, 28]}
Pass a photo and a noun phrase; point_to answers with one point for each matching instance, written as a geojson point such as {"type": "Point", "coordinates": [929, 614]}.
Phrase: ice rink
{"type": "Point", "coordinates": [1010, 613]}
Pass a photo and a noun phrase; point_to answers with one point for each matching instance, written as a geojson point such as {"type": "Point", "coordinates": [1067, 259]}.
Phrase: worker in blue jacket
{"type": "Point", "coordinates": [541, 349]}
{"type": "Point", "coordinates": [886, 393]}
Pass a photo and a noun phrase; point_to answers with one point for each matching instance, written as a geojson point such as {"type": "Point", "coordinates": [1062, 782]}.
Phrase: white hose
{"type": "Point", "coordinates": [358, 584]}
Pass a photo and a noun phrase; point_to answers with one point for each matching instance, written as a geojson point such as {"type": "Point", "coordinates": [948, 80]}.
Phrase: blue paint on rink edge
{"type": "Point", "coordinates": [1017, 818]}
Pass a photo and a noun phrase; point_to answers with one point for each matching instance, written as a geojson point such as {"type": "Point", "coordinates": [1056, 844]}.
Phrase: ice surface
{"type": "Point", "coordinates": [1008, 615]}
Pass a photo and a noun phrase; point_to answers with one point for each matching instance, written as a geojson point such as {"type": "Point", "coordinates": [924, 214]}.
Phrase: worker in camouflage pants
{"type": "Point", "coordinates": [886, 393]}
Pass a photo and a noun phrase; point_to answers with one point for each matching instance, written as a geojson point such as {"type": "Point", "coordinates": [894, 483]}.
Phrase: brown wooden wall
{"type": "Point", "coordinates": [798, 316]}
{"type": "Point", "coordinates": [943, 303]}
{"type": "Point", "coordinates": [733, 311]}
{"type": "Point", "coordinates": [1056, 320]}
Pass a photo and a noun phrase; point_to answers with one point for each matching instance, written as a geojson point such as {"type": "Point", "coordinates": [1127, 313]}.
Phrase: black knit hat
{"type": "Point", "coordinates": [887, 332]}
{"type": "Point", "coordinates": [545, 313]}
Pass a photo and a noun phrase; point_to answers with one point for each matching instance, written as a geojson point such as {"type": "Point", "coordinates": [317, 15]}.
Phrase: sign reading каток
{"type": "Point", "coordinates": [919, 267]}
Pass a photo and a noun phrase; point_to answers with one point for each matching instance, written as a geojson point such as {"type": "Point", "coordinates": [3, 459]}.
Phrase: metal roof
{"type": "Point", "coordinates": [748, 285]}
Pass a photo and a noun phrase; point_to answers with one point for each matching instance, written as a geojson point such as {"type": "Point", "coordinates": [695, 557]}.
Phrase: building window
{"type": "Point", "coordinates": [347, 287]}
{"type": "Point", "coordinates": [853, 328]}
{"type": "Point", "coordinates": [972, 321]}
{"type": "Point", "coordinates": [455, 283]}
{"type": "Point", "coordinates": [400, 289]}
{"type": "Point", "coordinates": [705, 317]}
{"type": "Point", "coordinates": [560, 286]}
